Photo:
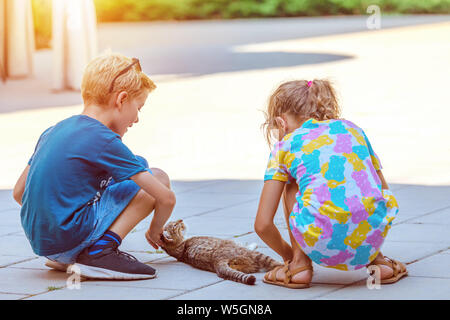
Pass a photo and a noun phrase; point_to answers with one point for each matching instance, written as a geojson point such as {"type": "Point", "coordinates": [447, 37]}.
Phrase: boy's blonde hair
{"type": "Point", "coordinates": [101, 71]}
{"type": "Point", "coordinates": [303, 99]}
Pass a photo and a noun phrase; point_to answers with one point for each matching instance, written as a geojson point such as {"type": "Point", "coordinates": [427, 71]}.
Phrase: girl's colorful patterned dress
{"type": "Point", "coordinates": [342, 215]}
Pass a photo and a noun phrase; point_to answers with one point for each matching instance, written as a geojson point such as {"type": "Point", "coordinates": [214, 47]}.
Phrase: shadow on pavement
{"type": "Point", "coordinates": [198, 62]}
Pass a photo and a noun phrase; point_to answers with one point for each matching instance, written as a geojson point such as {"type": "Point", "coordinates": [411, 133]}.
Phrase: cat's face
{"type": "Point", "coordinates": [173, 233]}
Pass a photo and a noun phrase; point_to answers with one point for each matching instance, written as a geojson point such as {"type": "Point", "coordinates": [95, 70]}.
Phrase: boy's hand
{"type": "Point", "coordinates": [153, 237]}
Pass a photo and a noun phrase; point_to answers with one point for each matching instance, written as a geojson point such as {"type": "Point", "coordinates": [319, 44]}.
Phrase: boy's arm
{"type": "Point", "coordinates": [164, 204]}
{"type": "Point", "coordinates": [20, 185]}
{"type": "Point", "coordinates": [264, 226]}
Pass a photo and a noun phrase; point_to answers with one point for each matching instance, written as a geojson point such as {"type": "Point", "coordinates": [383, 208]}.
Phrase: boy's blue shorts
{"type": "Point", "coordinates": [113, 201]}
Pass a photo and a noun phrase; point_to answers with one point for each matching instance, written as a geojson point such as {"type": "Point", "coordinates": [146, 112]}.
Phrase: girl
{"type": "Point", "coordinates": [336, 202]}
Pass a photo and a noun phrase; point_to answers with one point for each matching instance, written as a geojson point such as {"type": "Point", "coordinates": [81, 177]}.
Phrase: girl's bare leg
{"type": "Point", "coordinates": [385, 271]}
{"type": "Point", "coordinates": [299, 258]}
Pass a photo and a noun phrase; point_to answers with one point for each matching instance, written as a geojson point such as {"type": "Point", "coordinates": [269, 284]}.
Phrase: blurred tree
{"type": "Point", "coordinates": [148, 10]}
{"type": "Point", "coordinates": [141, 10]}
{"type": "Point", "coordinates": [42, 16]}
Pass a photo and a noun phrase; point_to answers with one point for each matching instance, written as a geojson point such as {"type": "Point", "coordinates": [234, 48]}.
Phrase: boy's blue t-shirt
{"type": "Point", "coordinates": [68, 168]}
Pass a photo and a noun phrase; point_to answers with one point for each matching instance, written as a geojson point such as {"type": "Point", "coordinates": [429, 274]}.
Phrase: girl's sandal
{"type": "Point", "coordinates": [398, 268]}
{"type": "Point", "coordinates": [271, 277]}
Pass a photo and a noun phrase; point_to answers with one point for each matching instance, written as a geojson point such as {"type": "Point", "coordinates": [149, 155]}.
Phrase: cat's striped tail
{"type": "Point", "coordinates": [224, 271]}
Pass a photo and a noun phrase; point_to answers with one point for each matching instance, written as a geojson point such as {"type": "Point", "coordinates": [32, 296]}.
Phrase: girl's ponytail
{"type": "Point", "coordinates": [303, 99]}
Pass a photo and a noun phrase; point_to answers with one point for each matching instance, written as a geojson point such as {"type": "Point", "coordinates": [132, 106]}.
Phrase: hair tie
{"type": "Point", "coordinates": [310, 84]}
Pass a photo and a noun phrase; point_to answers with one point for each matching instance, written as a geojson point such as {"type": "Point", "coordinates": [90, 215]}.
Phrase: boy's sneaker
{"type": "Point", "coordinates": [111, 263]}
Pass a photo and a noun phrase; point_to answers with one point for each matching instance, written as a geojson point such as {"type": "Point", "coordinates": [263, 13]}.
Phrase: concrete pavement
{"type": "Point", "coordinates": [203, 129]}
{"type": "Point", "coordinates": [394, 86]}
{"type": "Point", "coordinates": [418, 238]}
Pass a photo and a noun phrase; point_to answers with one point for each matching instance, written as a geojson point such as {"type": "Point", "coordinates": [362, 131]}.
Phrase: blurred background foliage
{"type": "Point", "coordinates": [42, 15]}
{"type": "Point", "coordinates": [149, 10]}
{"type": "Point", "coordinates": [142, 10]}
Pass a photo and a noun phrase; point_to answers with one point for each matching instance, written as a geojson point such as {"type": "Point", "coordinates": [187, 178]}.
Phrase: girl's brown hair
{"type": "Point", "coordinates": [303, 99]}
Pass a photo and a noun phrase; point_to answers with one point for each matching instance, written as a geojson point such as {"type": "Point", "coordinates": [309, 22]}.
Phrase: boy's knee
{"type": "Point", "coordinates": [157, 173]}
{"type": "Point", "coordinates": [161, 176]}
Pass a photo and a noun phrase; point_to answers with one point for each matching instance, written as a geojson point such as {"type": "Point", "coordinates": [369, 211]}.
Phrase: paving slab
{"type": "Point", "coordinates": [18, 245]}
{"type": "Point", "coordinates": [407, 252]}
{"type": "Point", "coordinates": [415, 201]}
{"type": "Point", "coordinates": [10, 230]}
{"type": "Point", "coordinates": [171, 275]}
{"type": "Point", "coordinates": [244, 210]}
{"type": "Point", "coordinates": [217, 226]}
{"type": "Point", "coordinates": [33, 263]}
{"type": "Point", "coordinates": [7, 201]}
{"type": "Point", "coordinates": [99, 292]}
{"type": "Point", "coordinates": [185, 186]}
{"type": "Point", "coordinates": [7, 260]}
{"type": "Point", "coordinates": [10, 296]}
{"type": "Point", "coordinates": [30, 281]}
{"type": "Point", "coordinates": [218, 199]}
{"type": "Point", "coordinates": [414, 233]}
{"type": "Point", "coordinates": [436, 266]}
{"type": "Point", "coordinates": [441, 217]}
{"type": "Point", "coordinates": [252, 237]}
{"type": "Point", "coordinates": [397, 186]}
{"type": "Point", "coordinates": [150, 256]}
{"type": "Point", "coordinates": [230, 290]}
{"type": "Point", "coordinates": [253, 187]}
{"type": "Point", "coordinates": [135, 241]}
{"type": "Point", "coordinates": [181, 211]}
{"type": "Point", "coordinates": [10, 217]}
{"type": "Point", "coordinates": [414, 288]}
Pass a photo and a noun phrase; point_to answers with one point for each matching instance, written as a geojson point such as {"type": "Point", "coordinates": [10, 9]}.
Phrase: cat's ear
{"type": "Point", "coordinates": [166, 237]}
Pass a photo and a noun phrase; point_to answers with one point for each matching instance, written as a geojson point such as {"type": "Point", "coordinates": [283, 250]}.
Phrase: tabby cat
{"type": "Point", "coordinates": [226, 258]}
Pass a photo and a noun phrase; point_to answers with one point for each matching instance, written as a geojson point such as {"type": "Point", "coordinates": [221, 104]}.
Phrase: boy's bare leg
{"type": "Point", "coordinates": [56, 265]}
{"type": "Point", "coordinates": [299, 258]}
{"type": "Point", "coordinates": [138, 208]}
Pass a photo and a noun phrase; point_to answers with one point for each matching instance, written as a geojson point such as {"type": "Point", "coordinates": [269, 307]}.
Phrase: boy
{"type": "Point", "coordinates": [83, 190]}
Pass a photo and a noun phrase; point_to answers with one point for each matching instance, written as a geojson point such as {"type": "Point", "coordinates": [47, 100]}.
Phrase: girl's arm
{"type": "Point", "coordinates": [383, 182]}
{"type": "Point", "coordinates": [264, 226]}
{"type": "Point", "coordinates": [19, 188]}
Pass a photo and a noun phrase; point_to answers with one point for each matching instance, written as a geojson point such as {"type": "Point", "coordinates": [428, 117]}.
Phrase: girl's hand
{"type": "Point", "coordinates": [264, 225]}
